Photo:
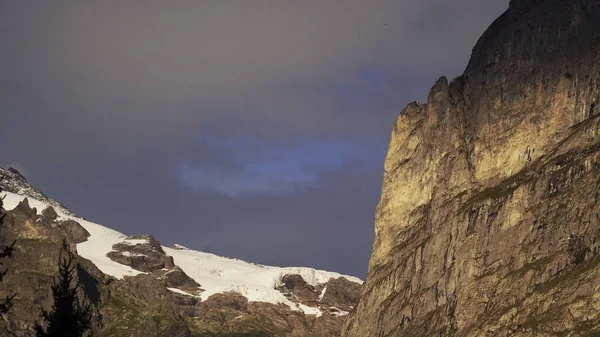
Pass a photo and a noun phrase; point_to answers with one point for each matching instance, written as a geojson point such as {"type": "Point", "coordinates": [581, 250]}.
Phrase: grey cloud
{"type": "Point", "coordinates": [101, 101]}
{"type": "Point", "coordinates": [145, 68]}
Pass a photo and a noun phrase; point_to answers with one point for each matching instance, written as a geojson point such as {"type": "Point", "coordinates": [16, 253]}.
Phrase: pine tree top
{"type": "Point", "coordinates": [69, 316]}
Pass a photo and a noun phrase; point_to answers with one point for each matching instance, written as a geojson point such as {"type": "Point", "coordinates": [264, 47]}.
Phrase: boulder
{"type": "Point", "coordinates": [49, 214]}
{"type": "Point", "coordinates": [74, 232]}
{"type": "Point", "coordinates": [298, 290]}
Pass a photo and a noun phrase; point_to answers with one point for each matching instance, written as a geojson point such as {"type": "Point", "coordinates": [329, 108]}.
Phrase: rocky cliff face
{"type": "Point", "coordinates": [140, 288]}
{"type": "Point", "coordinates": [489, 219]}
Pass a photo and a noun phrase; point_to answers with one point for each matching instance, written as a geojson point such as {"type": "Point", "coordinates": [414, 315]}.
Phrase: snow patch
{"type": "Point", "coordinates": [11, 201]}
{"type": "Point", "coordinates": [179, 291]}
{"type": "Point", "coordinates": [322, 293]}
{"type": "Point", "coordinates": [134, 242]}
{"type": "Point", "coordinates": [215, 274]}
{"type": "Point", "coordinates": [338, 312]}
{"type": "Point", "coordinates": [129, 254]}
{"type": "Point", "coordinates": [310, 310]}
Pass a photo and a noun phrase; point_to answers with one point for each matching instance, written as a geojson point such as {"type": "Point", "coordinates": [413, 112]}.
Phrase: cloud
{"type": "Point", "coordinates": [149, 70]}
{"type": "Point", "coordinates": [256, 167]}
{"type": "Point", "coordinates": [210, 122]}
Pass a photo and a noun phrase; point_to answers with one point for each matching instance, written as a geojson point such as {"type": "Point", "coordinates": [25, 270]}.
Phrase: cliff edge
{"type": "Point", "coordinates": [489, 219]}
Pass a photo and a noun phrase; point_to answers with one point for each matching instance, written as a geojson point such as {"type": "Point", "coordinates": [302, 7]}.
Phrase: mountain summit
{"type": "Point", "coordinates": [139, 287]}
{"type": "Point", "coordinates": [488, 223]}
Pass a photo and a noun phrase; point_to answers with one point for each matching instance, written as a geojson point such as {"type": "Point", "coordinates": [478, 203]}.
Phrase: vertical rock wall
{"type": "Point", "coordinates": [488, 223]}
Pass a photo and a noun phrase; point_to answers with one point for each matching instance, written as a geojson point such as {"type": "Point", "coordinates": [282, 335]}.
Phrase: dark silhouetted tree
{"type": "Point", "coordinates": [5, 252]}
{"type": "Point", "coordinates": [69, 317]}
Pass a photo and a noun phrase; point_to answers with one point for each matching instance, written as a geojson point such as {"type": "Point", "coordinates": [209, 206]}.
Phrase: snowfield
{"type": "Point", "coordinates": [215, 274]}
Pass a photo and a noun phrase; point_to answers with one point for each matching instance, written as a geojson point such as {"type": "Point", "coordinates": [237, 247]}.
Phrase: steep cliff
{"type": "Point", "coordinates": [489, 219]}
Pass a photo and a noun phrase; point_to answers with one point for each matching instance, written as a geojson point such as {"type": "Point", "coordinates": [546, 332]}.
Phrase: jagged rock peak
{"type": "Point", "coordinates": [11, 180]}
{"type": "Point", "coordinates": [16, 173]}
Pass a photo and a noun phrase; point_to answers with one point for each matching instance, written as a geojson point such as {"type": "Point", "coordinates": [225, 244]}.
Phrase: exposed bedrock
{"type": "Point", "coordinates": [488, 223]}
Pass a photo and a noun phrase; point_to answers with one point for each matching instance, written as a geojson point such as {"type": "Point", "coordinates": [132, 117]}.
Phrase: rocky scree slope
{"type": "Point", "coordinates": [140, 288]}
{"type": "Point", "coordinates": [489, 218]}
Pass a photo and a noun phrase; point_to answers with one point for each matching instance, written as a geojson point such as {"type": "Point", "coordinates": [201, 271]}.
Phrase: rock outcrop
{"type": "Point", "coordinates": [337, 297]}
{"type": "Point", "coordinates": [341, 294]}
{"type": "Point", "coordinates": [141, 252]}
{"type": "Point", "coordinates": [73, 231]}
{"type": "Point", "coordinates": [177, 278]}
{"type": "Point", "coordinates": [488, 223]}
{"type": "Point", "coordinates": [297, 290]}
{"type": "Point", "coordinates": [32, 268]}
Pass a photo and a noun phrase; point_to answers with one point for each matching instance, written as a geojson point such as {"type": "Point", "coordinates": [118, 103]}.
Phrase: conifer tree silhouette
{"type": "Point", "coordinates": [69, 317]}
{"type": "Point", "coordinates": [5, 252]}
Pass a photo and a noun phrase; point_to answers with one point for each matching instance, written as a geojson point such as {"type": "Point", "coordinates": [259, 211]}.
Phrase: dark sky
{"type": "Point", "coordinates": [252, 129]}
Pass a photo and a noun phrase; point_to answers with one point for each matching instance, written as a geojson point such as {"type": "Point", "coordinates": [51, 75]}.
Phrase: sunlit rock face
{"type": "Point", "coordinates": [488, 223]}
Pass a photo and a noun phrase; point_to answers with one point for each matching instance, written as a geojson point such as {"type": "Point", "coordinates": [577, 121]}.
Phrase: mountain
{"type": "Point", "coordinates": [140, 288]}
{"type": "Point", "coordinates": [488, 222]}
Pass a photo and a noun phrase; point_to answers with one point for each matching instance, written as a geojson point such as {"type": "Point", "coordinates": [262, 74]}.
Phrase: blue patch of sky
{"type": "Point", "coordinates": [275, 169]}
{"type": "Point", "coordinates": [261, 167]}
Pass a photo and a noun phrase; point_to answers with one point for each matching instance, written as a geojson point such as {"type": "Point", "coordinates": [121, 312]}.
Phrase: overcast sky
{"type": "Point", "coordinates": [252, 129]}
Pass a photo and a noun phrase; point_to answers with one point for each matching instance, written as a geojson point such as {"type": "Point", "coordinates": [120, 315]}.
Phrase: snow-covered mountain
{"type": "Point", "coordinates": [122, 256]}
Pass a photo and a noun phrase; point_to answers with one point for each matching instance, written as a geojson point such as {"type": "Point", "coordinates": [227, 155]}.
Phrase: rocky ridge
{"type": "Point", "coordinates": [488, 223]}
{"type": "Point", "coordinates": [139, 287]}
